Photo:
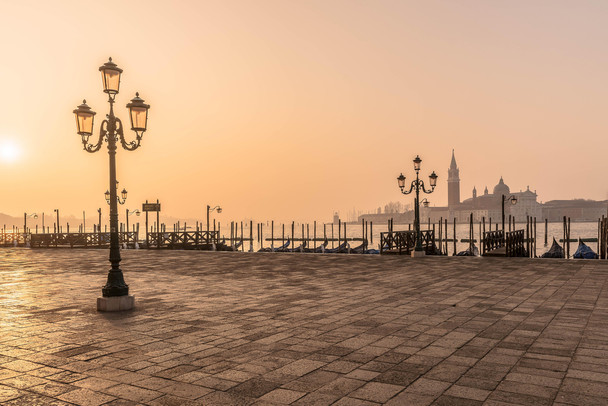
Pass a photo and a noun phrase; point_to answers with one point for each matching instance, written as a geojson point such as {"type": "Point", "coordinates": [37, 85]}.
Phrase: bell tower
{"type": "Point", "coordinates": [453, 183]}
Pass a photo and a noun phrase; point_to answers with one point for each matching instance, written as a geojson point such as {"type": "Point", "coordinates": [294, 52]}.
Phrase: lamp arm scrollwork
{"type": "Point", "coordinates": [103, 130]}
{"type": "Point", "coordinates": [129, 146]}
{"type": "Point", "coordinates": [424, 189]}
{"type": "Point", "coordinates": [411, 188]}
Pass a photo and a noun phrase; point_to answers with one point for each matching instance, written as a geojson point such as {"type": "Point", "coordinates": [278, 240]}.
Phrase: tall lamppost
{"type": "Point", "coordinates": [513, 201]}
{"type": "Point", "coordinates": [25, 216]}
{"type": "Point", "coordinates": [129, 212]}
{"type": "Point", "coordinates": [209, 210]}
{"type": "Point", "coordinates": [417, 185]}
{"type": "Point", "coordinates": [116, 291]}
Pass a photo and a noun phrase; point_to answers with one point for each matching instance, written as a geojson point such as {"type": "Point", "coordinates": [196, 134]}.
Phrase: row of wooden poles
{"type": "Point", "coordinates": [237, 233]}
{"type": "Point", "coordinates": [367, 232]}
{"type": "Point", "coordinates": [329, 234]}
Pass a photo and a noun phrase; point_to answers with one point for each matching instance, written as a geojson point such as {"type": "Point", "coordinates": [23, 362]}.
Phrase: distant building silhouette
{"type": "Point", "coordinates": [488, 205]}
{"type": "Point", "coordinates": [453, 183]}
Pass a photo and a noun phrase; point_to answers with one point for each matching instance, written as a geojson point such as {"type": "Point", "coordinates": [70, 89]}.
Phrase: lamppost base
{"type": "Point", "coordinates": [417, 254]}
{"type": "Point", "coordinates": [115, 303]}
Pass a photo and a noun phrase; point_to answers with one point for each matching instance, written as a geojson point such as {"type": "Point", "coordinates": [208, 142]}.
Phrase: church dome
{"type": "Point", "coordinates": [501, 188]}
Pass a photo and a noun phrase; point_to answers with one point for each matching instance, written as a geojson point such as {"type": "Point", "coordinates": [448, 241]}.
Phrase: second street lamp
{"type": "Point", "coordinates": [513, 201]}
{"type": "Point", "coordinates": [116, 291]}
{"type": "Point", "coordinates": [129, 212]}
{"type": "Point", "coordinates": [209, 210]}
{"type": "Point", "coordinates": [417, 185]}
{"type": "Point", "coordinates": [25, 216]}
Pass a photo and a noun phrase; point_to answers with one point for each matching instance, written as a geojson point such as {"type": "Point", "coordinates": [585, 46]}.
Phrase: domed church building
{"type": "Point", "coordinates": [488, 205]}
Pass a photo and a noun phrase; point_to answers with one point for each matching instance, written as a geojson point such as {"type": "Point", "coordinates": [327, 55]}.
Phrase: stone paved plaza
{"type": "Point", "coordinates": [215, 328]}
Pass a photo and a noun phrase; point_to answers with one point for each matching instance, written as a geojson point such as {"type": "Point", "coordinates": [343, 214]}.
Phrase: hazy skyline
{"type": "Point", "coordinates": [293, 110]}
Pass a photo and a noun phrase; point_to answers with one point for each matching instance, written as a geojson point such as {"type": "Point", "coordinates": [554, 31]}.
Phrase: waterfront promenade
{"type": "Point", "coordinates": [214, 328]}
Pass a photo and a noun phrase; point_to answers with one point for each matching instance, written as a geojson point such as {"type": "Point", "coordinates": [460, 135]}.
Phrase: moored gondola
{"type": "Point", "coordinates": [472, 251]}
{"type": "Point", "coordinates": [342, 248]}
{"type": "Point", "coordinates": [584, 252]}
{"type": "Point", "coordinates": [277, 249]}
{"type": "Point", "coordinates": [556, 251]}
{"type": "Point", "coordinates": [320, 249]}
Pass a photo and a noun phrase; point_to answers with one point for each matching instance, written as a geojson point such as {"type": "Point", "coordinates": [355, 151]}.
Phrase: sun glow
{"type": "Point", "coordinates": [9, 151]}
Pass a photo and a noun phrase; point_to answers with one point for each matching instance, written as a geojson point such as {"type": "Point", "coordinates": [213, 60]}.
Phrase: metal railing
{"type": "Point", "coordinates": [84, 240]}
{"type": "Point", "coordinates": [182, 239]}
{"type": "Point", "coordinates": [403, 242]}
{"type": "Point", "coordinates": [492, 240]}
{"type": "Point", "coordinates": [515, 244]}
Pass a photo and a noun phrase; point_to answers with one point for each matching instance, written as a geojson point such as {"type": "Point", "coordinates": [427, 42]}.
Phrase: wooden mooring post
{"type": "Point", "coordinates": [528, 245]}
{"type": "Point", "coordinates": [568, 237]}
{"type": "Point", "coordinates": [534, 238]}
{"type": "Point", "coordinates": [471, 244]}
{"type": "Point", "coordinates": [251, 237]}
{"type": "Point", "coordinates": [454, 236]}
{"type": "Point", "coordinates": [483, 235]}
{"type": "Point", "coordinates": [446, 236]}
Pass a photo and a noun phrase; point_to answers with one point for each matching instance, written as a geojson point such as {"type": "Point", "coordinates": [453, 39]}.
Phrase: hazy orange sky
{"type": "Point", "coordinates": [295, 109]}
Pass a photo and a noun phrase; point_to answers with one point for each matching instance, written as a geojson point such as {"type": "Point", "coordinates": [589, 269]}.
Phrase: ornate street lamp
{"type": "Point", "coordinates": [209, 210]}
{"type": "Point", "coordinates": [129, 212]}
{"type": "Point", "coordinates": [120, 199]}
{"type": "Point", "coordinates": [417, 185]}
{"type": "Point", "coordinates": [116, 291]}
{"type": "Point", "coordinates": [513, 200]}
{"type": "Point", "coordinates": [25, 216]}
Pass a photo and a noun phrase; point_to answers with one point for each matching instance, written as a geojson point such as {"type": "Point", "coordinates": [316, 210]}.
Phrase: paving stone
{"type": "Point", "coordinates": [7, 393]}
{"type": "Point", "coordinates": [186, 390]}
{"type": "Point", "coordinates": [376, 391]}
{"type": "Point", "coordinates": [348, 401]}
{"type": "Point", "coordinates": [411, 399]}
{"type": "Point", "coordinates": [316, 399]}
{"type": "Point", "coordinates": [468, 393]}
{"type": "Point", "coordinates": [446, 400]}
{"type": "Point", "coordinates": [282, 396]}
{"type": "Point", "coordinates": [133, 393]}
{"type": "Point", "coordinates": [86, 397]}
{"type": "Point", "coordinates": [428, 386]}
{"type": "Point", "coordinates": [30, 399]}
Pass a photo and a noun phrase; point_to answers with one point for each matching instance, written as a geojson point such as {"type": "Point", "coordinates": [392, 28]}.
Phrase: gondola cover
{"type": "Point", "coordinates": [556, 251]}
{"type": "Point", "coordinates": [584, 252]}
